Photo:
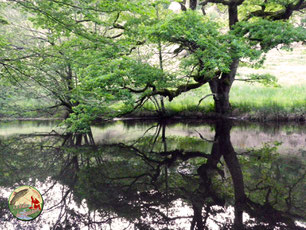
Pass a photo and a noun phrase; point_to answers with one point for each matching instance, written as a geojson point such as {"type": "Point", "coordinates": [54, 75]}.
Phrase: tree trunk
{"type": "Point", "coordinates": [221, 96]}
{"type": "Point", "coordinates": [221, 87]}
{"type": "Point", "coordinates": [193, 4]}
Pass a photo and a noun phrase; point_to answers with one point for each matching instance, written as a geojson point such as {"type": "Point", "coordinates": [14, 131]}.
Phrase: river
{"type": "Point", "coordinates": [138, 174]}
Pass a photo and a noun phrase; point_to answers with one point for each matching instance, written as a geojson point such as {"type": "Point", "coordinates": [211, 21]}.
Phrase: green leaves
{"type": "Point", "coordinates": [186, 27]}
{"type": "Point", "coordinates": [269, 34]}
{"type": "Point", "coordinates": [264, 79]}
{"type": "Point", "coordinates": [199, 36]}
{"type": "Point", "coordinates": [3, 21]}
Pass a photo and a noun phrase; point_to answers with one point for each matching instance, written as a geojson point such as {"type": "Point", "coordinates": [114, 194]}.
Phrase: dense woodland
{"type": "Point", "coordinates": [104, 59]}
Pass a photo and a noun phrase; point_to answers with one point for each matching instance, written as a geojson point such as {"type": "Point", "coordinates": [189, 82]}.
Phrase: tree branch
{"type": "Point", "coordinates": [208, 95]}
{"type": "Point", "coordinates": [224, 2]}
{"type": "Point", "coordinates": [278, 15]}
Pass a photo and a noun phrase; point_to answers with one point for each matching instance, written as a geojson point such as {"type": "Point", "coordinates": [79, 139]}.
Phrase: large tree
{"type": "Point", "coordinates": [213, 52]}
{"type": "Point", "coordinates": [121, 49]}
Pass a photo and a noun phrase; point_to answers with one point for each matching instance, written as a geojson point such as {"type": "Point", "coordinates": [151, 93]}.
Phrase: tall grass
{"type": "Point", "coordinates": [259, 96]}
{"type": "Point", "coordinates": [244, 98]}
{"type": "Point", "coordinates": [288, 100]}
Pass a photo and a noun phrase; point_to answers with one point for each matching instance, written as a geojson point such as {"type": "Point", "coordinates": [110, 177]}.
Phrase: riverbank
{"type": "Point", "coordinates": [30, 119]}
{"type": "Point", "coordinates": [260, 116]}
{"type": "Point", "coordinates": [249, 102]}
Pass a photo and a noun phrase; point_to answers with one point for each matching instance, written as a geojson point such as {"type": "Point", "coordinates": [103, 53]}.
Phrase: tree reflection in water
{"type": "Point", "coordinates": [154, 182]}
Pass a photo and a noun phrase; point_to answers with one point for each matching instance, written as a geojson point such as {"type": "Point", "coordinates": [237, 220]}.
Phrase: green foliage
{"type": "Point", "coordinates": [269, 34]}
{"type": "Point", "coordinates": [264, 79]}
{"type": "Point", "coordinates": [3, 21]}
{"type": "Point", "coordinates": [198, 35]}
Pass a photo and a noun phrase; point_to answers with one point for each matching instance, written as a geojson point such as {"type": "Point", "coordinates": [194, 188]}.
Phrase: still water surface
{"type": "Point", "coordinates": [150, 175]}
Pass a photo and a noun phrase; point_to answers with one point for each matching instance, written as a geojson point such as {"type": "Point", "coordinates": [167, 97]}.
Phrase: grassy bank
{"type": "Point", "coordinates": [248, 102]}
{"type": "Point", "coordinates": [254, 101]}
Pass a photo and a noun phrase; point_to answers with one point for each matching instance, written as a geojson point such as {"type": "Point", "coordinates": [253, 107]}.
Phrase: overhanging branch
{"type": "Point", "coordinates": [179, 90]}
{"type": "Point", "coordinates": [224, 2]}
{"type": "Point", "coordinates": [283, 14]}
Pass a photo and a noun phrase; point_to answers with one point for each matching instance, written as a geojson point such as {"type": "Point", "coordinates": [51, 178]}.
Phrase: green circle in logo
{"type": "Point", "coordinates": [26, 203]}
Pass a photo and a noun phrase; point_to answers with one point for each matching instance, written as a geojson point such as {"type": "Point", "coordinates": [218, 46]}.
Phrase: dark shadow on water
{"type": "Point", "coordinates": [157, 181]}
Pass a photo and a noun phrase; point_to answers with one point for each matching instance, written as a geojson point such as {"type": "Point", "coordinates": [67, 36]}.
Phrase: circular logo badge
{"type": "Point", "coordinates": [26, 203]}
